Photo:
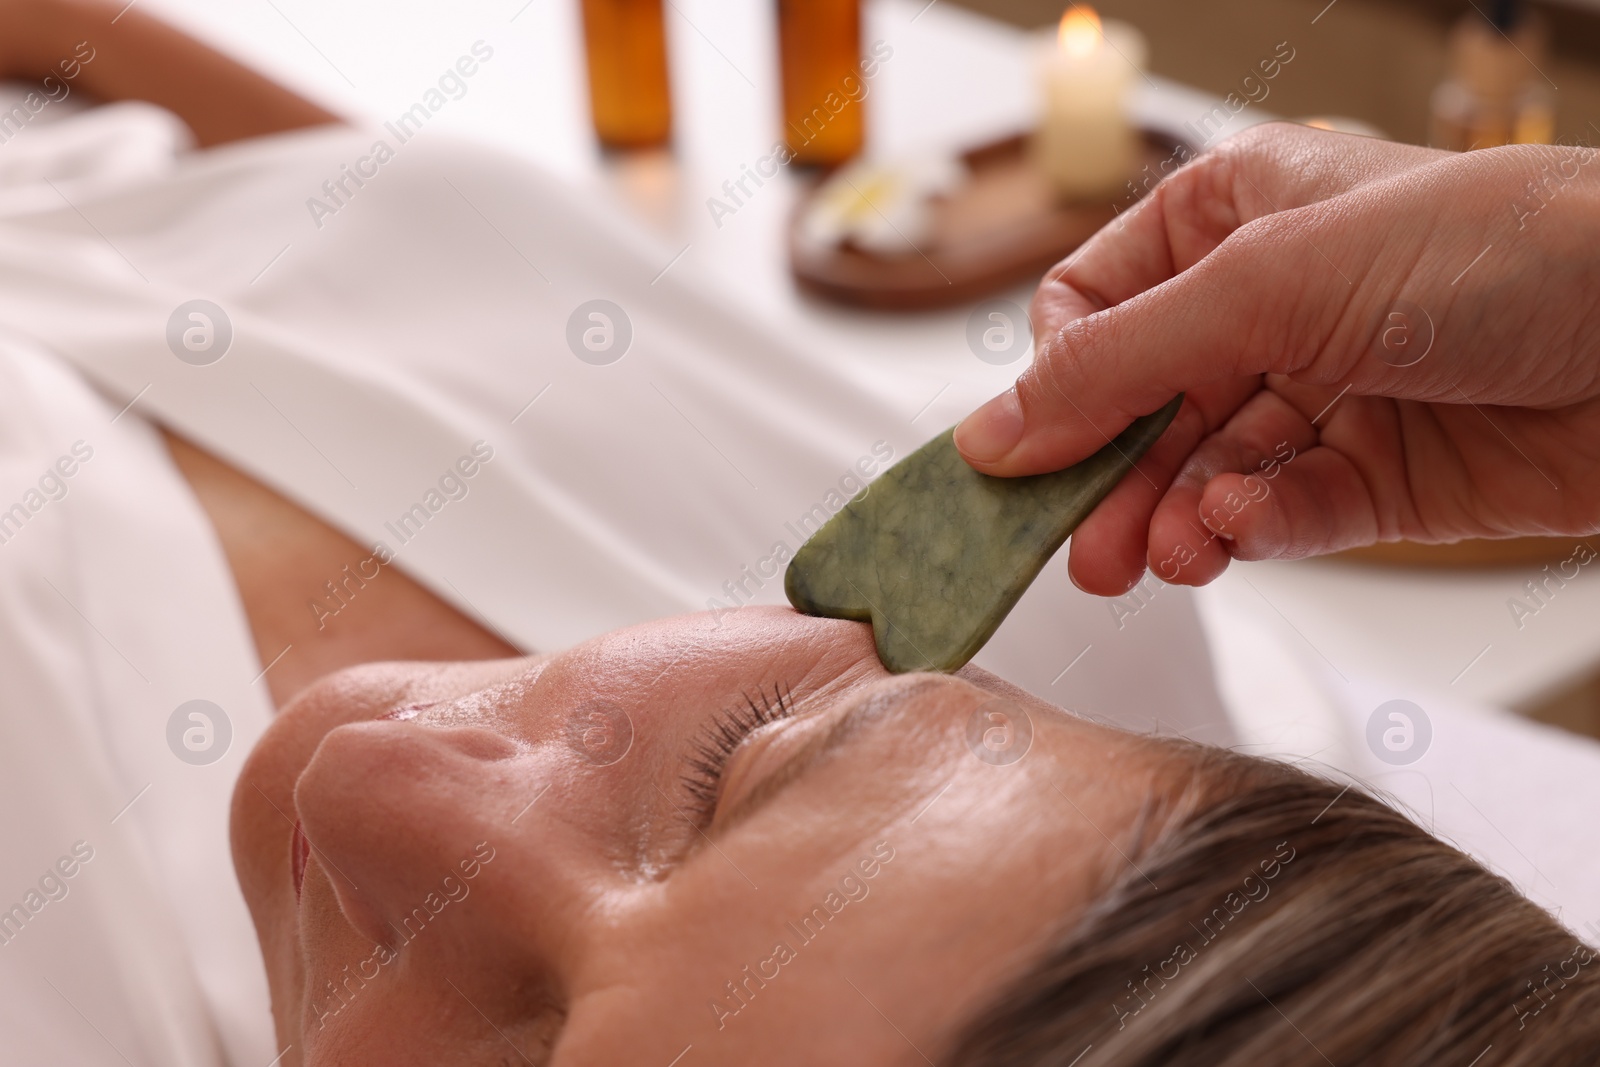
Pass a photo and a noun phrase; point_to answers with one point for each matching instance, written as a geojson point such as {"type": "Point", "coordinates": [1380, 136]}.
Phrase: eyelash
{"type": "Point", "coordinates": [709, 752]}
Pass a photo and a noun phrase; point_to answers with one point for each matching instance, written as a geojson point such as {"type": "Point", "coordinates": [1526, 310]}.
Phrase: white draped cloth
{"type": "Point", "coordinates": [355, 360]}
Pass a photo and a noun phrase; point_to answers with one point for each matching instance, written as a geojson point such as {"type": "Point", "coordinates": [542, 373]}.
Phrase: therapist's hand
{"type": "Point", "coordinates": [1378, 342]}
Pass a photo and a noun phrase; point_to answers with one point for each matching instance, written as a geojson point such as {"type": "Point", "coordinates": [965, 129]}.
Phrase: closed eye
{"type": "Point", "coordinates": [708, 753]}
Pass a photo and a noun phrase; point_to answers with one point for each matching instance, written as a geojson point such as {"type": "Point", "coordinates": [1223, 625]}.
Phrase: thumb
{"type": "Point", "coordinates": [1256, 304]}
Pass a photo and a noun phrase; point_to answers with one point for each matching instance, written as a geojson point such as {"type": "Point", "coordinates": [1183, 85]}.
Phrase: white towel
{"type": "Point", "coordinates": [116, 607]}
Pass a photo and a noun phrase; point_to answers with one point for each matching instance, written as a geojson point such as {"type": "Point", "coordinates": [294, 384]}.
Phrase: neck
{"type": "Point", "coordinates": [316, 600]}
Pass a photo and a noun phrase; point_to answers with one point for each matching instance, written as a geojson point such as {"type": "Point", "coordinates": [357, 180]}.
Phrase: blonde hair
{"type": "Point", "coordinates": [1279, 918]}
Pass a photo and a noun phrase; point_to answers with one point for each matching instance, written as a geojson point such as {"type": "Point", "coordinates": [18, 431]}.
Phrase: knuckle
{"type": "Point", "coordinates": [1264, 137]}
{"type": "Point", "coordinates": [1056, 380]}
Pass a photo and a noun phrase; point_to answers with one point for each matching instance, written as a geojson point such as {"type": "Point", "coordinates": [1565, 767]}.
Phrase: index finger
{"type": "Point", "coordinates": [1165, 233]}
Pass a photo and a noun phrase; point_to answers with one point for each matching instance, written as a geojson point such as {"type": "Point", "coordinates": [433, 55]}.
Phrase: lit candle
{"type": "Point", "coordinates": [1084, 142]}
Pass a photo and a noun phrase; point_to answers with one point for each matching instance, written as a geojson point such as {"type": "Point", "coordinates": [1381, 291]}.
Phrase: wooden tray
{"type": "Point", "coordinates": [1002, 227]}
{"type": "Point", "coordinates": [1522, 552]}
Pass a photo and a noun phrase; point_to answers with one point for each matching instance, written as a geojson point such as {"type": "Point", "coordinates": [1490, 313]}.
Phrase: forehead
{"type": "Point", "coordinates": [737, 650]}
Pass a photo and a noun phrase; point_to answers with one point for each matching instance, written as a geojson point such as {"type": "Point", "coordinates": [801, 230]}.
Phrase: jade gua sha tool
{"type": "Point", "coordinates": [935, 555]}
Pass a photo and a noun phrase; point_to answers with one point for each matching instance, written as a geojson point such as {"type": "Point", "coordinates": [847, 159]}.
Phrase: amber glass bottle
{"type": "Point", "coordinates": [1495, 94]}
{"type": "Point", "coordinates": [819, 52]}
{"type": "Point", "coordinates": [628, 90]}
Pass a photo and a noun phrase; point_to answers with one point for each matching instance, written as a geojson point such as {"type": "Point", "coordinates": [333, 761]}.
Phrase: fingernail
{"type": "Point", "coordinates": [993, 430]}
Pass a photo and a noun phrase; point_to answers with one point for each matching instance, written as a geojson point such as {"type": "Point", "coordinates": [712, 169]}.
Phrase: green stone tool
{"type": "Point", "coordinates": [935, 555]}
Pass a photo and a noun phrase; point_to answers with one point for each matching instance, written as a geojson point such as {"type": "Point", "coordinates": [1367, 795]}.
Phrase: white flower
{"type": "Point", "coordinates": [883, 208]}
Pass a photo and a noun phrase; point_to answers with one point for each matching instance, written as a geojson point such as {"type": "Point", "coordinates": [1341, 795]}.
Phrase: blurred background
{"type": "Point", "coordinates": [670, 110]}
{"type": "Point", "coordinates": [1379, 61]}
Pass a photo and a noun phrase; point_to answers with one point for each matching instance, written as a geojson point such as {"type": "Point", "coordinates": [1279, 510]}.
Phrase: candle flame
{"type": "Point", "coordinates": [1080, 31]}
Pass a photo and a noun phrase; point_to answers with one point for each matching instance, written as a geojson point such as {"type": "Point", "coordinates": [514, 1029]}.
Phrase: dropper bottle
{"type": "Point", "coordinates": [1496, 93]}
{"type": "Point", "coordinates": [629, 96]}
{"type": "Point", "coordinates": [819, 58]}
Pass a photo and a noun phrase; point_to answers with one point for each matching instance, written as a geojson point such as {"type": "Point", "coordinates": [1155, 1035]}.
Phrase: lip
{"type": "Point", "coordinates": [299, 856]}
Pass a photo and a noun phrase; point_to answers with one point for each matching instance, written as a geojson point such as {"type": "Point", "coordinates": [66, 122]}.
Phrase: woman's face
{"type": "Point", "coordinates": [528, 861]}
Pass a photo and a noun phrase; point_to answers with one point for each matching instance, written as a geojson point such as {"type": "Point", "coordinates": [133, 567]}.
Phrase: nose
{"type": "Point", "coordinates": [381, 806]}
{"type": "Point", "coordinates": [439, 818]}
